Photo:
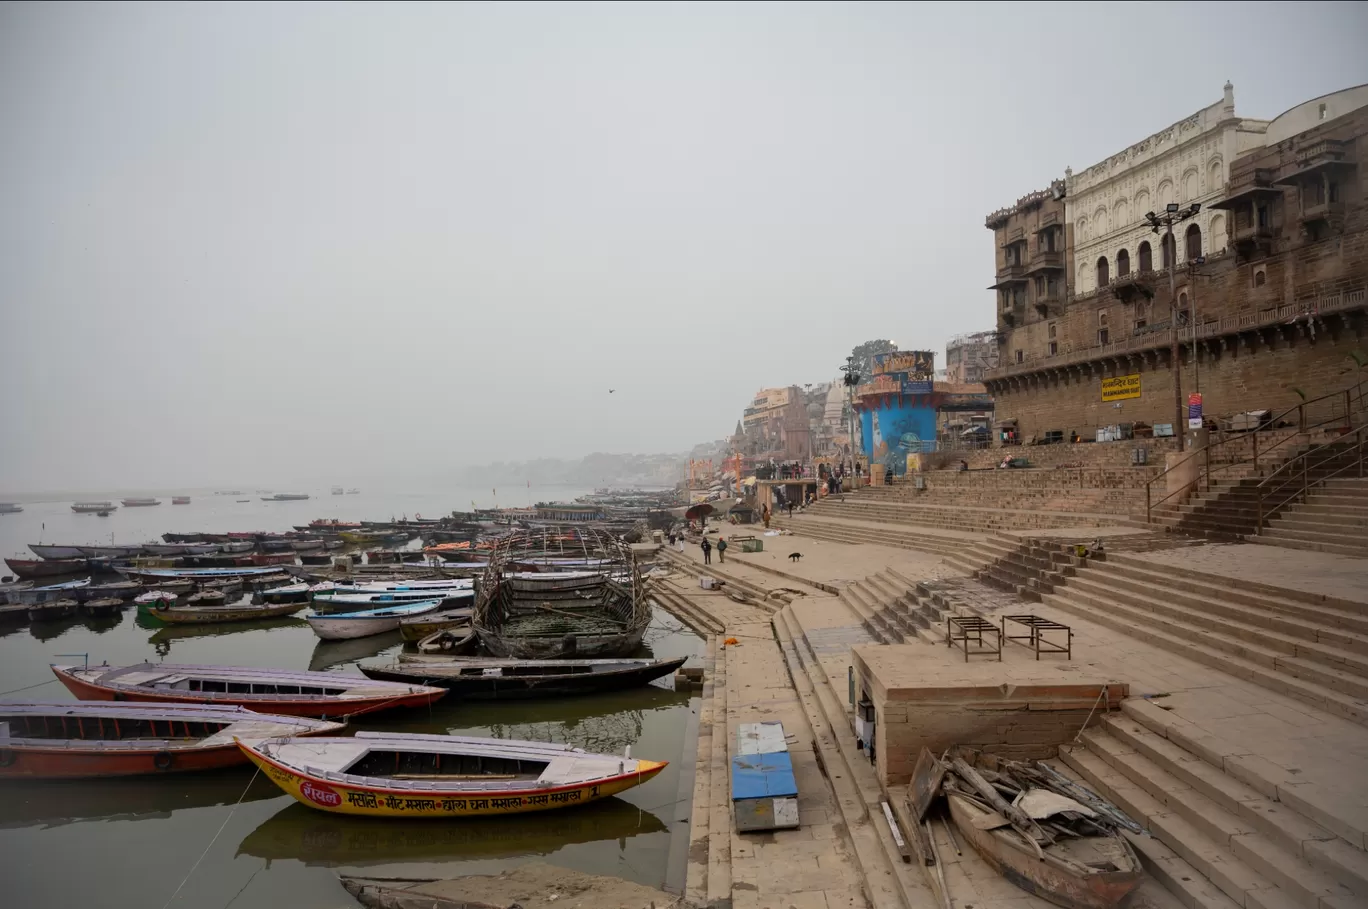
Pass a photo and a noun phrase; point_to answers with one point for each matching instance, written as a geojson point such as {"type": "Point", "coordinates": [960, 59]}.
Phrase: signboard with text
{"type": "Point", "coordinates": [1195, 410]}
{"type": "Point", "coordinates": [916, 363]}
{"type": "Point", "coordinates": [1120, 388]}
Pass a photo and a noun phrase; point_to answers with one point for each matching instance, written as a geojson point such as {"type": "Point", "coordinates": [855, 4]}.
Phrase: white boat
{"type": "Point", "coordinates": [50, 593]}
{"type": "Point", "coordinates": [110, 552]}
{"type": "Point", "coordinates": [346, 625]}
{"type": "Point", "coordinates": [182, 548]}
{"type": "Point", "coordinates": [47, 551]}
{"type": "Point", "coordinates": [92, 507]}
{"type": "Point", "coordinates": [346, 602]}
{"type": "Point", "coordinates": [238, 546]}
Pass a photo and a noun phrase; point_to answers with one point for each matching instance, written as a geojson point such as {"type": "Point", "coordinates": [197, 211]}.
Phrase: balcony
{"type": "Point", "coordinates": [1134, 286]}
{"type": "Point", "coordinates": [1045, 260]}
{"type": "Point", "coordinates": [1253, 185]}
{"type": "Point", "coordinates": [1048, 220]}
{"type": "Point", "coordinates": [1048, 302]}
{"type": "Point", "coordinates": [1015, 235]}
{"type": "Point", "coordinates": [1324, 156]}
{"type": "Point", "coordinates": [1322, 211]}
{"type": "Point", "coordinates": [1008, 275]}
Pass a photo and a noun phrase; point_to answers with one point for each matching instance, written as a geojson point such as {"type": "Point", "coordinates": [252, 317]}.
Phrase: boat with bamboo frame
{"type": "Point", "coordinates": [598, 610]}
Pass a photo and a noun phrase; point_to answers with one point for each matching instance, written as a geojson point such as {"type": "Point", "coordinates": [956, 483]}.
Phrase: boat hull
{"type": "Point", "coordinates": [190, 615]}
{"type": "Point", "coordinates": [87, 691]}
{"type": "Point", "coordinates": [45, 551]}
{"type": "Point", "coordinates": [366, 801]}
{"type": "Point", "coordinates": [514, 687]}
{"type": "Point", "coordinates": [46, 568]}
{"type": "Point", "coordinates": [347, 629]}
{"type": "Point", "coordinates": [1046, 879]}
{"type": "Point", "coordinates": [570, 646]}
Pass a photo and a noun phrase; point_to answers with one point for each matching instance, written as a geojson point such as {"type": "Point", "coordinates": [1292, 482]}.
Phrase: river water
{"type": "Point", "coordinates": [131, 843]}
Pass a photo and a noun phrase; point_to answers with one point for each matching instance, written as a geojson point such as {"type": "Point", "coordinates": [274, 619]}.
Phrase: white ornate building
{"type": "Point", "coordinates": [1185, 163]}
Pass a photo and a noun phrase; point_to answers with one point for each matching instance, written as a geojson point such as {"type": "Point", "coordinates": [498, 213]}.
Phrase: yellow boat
{"type": "Point", "coordinates": [364, 537]}
{"type": "Point", "coordinates": [387, 774]}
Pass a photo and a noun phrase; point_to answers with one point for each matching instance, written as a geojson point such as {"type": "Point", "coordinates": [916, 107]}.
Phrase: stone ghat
{"type": "Point", "coordinates": [1083, 454]}
{"type": "Point", "coordinates": [1110, 490]}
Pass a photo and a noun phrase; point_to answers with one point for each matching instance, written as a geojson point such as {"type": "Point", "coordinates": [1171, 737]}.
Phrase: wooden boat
{"type": "Point", "coordinates": [334, 602]}
{"type": "Point", "coordinates": [363, 537]}
{"type": "Point", "coordinates": [201, 613]}
{"type": "Point", "coordinates": [51, 551]}
{"type": "Point", "coordinates": [386, 774]}
{"type": "Point", "coordinates": [93, 507]}
{"type": "Point", "coordinates": [207, 599]}
{"type": "Point", "coordinates": [238, 546]}
{"type": "Point", "coordinates": [148, 603]}
{"type": "Point", "coordinates": [46, 568]}
{"type": "Point", "coordinates": [306, 545]}
{"type": "Point", "coordinates": [273, 558]}
{"type": "Point", "coordinates": [140, 503]}
{"type": "Point", "coordinates": [103, 606]}
{"type": "Point", "coordinates": [288, 593]}
{"type": "Point", "coordinates": [183, 538]}
{"type": "Point", "coordinates": [10, 508]}
{"type": "Point", "coordinates": [111, 552]}
{"type": "Point", "coordinates": [344, 625]}
{"type": "Point", "coordinates": [52, 610]}
{"type": "Point", "coordinates": [85, 740]}
{"type": "Point", "coordinates": [181, 548]}
{"type": "Point", "coordinates": [284, 691]}
{"type": "Point", "coordinates": [416, 628]}
{"type": "Point", "coordinates": [491, 679]}
{"type": "Point", "coordinates": [158, 575]}
{"type": "Point", "coordinates": [448, 642]}
{"type": "Point", "coordinates": [34, 595]}
{"type": "Point", "coordinates": [598, 610]}
{"type": "Point", "coordinates": [121, 590]}
{"type": "Point", "coordinates": [274, 544]}
{"type": "Point", "coordinates": [228, 587]}
{"type": "Point", "coordinates": [180, 500]}
{"type": "Point", "coordinates": [1091, 872]}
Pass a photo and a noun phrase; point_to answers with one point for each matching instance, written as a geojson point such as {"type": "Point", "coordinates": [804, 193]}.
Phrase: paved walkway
{"type": "Point", "coordinates": [1323, 573]}
{"type": "Point", "coordinates": [838, 564]}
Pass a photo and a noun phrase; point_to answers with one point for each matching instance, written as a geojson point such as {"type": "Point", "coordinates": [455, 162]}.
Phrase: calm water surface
{"type": "Point", "coordinates": [129, 843]}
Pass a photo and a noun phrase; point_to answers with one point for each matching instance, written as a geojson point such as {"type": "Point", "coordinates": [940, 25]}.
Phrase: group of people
{"type": "Point", "coordinates": [707, 548]}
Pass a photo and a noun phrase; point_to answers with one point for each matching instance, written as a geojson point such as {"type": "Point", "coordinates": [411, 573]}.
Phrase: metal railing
{"type": "Point", "coordinates": [1291, 480]}
{"type": "Point", "coordinates": [1339, 409]}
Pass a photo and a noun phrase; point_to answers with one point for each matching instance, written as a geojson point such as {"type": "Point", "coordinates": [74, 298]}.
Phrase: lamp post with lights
{"type": "Point", "coordinates": [1170, 216]}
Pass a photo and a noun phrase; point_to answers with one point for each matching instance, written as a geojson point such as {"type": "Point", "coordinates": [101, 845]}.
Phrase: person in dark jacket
{"type": "Point", "coordinates": [707, 551]}
{"type": "Point", "coordinates": [721, 550]}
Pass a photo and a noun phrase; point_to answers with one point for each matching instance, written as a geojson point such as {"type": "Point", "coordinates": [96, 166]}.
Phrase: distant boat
{"type": "Point", "coordinates": [83, 741]}
{"type": "Point", "coordinates": [110, 552]}
{"type": "Point", "coordinates": [51, 551]}
{"type": "Point", "coordinates": [352, 492]}
{"type": "Point", "coordinates": [182, 548]}
{"type": "Point", "coordinates": [93, 507]}
{"type": "Point", "coordinates": [140, 503]}
{"type": "Point", "coordinates": [180, 500]}
{"type": "Point", "coordinates": [269, 690]}
{"type": "Point", "coordinates": [397, 775]}
{"type": "Point", "coordinates": [345, 625]}
{"type": "Point", "coordinates": [286, 497]}
{"type": "Point", "coordinates": [10, 508]}
{"type": "Point", "coordinates": [337, 490]}
{"type": "Point", "coordinates": [244, 500]}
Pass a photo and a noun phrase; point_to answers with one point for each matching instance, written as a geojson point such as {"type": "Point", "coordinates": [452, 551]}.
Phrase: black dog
{"type": "Point", "coordinates": [795, 556]}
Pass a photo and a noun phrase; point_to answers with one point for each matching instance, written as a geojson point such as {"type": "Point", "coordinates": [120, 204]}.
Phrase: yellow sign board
{"type": "Point", "coordinates": [1119, 388]}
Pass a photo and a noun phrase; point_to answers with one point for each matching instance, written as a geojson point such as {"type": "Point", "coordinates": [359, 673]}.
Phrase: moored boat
{"type": "Point", "coordinates": [10, 508]}
{"type": "Point", "coordinates": [183, 538]}
{"type": "Point", "coordinates": [284, 691]}
{"type": "Point", "coordinates": [29, 569]}
{"type": "Point", "coordinates": [492, 679]}
{"type": "Point", "coordinates": [33, 595]}
{"type": "Point", "coordinates": [51, 551]}
{"type": "Point", "coordinates": [416, 628]}
{"type": "Point", "coordinates": [180, 500]}
{"type": "Point", "coordinates": [345, 625]}
{"type": "Point", "coordinates": [119, 590]}
{"type": "Point", "coordinates": [385, 774]}
{"type": "Point", "coordinates": [93, 507]}
{"type": "Point", "coordinates": [205, 599]}
{"type": "Point", "coordinates": [103, 606]}
{"type": "Point", "coordinates": [306, 545]}
{"type": "Point", "coordinates": [448, 642]}
{"type": "Point", "coordinates": [110, 552]}
{"type": "Point", "coordinates": [273, 558]}
{"type": "Point", "coordinates": [157, 575]}
{"type": "Point", "coordinates": [86, 740]}
{"type": "Point", "coordinates": [140, 503]}
{"type": "Point", "coordinates": [52, 610]}
{"type": "Point", "coordinates": [286, 497]}
{"type": "Point", "coordinates": [181, 548]}
{"type": "Point", "coordinates": [288, 593]}
{"type": "Point", "coordinates": [203, 613]}
{"type": "Point", "coordinates": [341, 602]}
{"type": "Point", "coordinates": [238, 546]}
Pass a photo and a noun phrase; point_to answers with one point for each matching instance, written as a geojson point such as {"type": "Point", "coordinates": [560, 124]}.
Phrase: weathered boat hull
{"type": "Point", "coordinates": [570, 646]}
{"type": "Point", "coordinates": [29, 569]}
{"type": "Point", "coordinates": [511, 686]}
{"type": "Point", "coordinates": [47, 551]}
{"type": "Point", "coordinates": [191, 615]}
{"type": "Point", "coordinates": [282, 704]}
{"type": "Point", "coordinates": [414, 630]}
{"type": "Point", "coordinates": [53, 610]}
{"type": "Point", "coordinates": [1049, 879]}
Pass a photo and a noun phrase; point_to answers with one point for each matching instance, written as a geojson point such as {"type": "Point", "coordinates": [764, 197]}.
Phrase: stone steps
{"type": "Point", "coordinates": [846, 532]}
{"type": "Point", "coordinates": [957, 517]}
{"type": "Point", "coordinates": [1247, 846]}
{"type": "Point", "coordinates": [1191, 642]}
{"type": "Point", "coordinates": [1284, 542]}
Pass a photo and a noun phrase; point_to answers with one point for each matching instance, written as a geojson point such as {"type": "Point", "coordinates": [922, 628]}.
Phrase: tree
{"type": "Point", "coordinates": [864, 355]}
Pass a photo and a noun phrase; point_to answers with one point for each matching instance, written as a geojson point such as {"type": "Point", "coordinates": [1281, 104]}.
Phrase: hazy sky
{"type": "Point", "coordinates": [278, 243]}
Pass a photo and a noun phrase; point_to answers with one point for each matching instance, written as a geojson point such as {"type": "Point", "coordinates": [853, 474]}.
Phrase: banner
{"type": "Point", "coordinates": [1195, 410]}
{"type": "Point", "coordinates": [1120, 388]}
{"type": "Point", "coordinates": [918, 363]}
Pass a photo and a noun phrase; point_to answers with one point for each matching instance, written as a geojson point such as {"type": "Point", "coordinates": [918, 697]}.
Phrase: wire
{"type": "Point", "coordinates": [27, 687]}
{"type": "Point", "coordinates": [213, 841]}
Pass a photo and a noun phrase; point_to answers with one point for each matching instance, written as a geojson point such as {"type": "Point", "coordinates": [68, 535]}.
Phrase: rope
{"type": "Point", "coordinates": [27, 687]}
{"type": "Point", "coordinates": [213, 841]}
{"type": "Point", "coordinates": [1106, 689]}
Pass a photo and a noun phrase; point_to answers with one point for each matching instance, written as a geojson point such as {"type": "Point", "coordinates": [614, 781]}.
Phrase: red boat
{"type": "Point", "coordinates": [285, 691]}
{"type": "Point", "coordinates": [273, 558]}
{"type": "Point", "coordinates": [46, 568]}
{"type": "Point", "coordinates": [82, 740]}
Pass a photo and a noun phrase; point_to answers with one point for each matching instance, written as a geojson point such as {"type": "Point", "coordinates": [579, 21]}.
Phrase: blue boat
{"type": "Point", "coordinates": [331, 602]}
{"type": "Point", "coordinates": [346, 625]}
{"type": "Point", "coordinates": [159, 574]}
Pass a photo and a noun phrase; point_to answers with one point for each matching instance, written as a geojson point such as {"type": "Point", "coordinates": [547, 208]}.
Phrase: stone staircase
{"type": "Point", "coordinates": [1222, 834]}
{"type": "Point", "coordinates": [894, 609]}
{"type": "Point", "coordinates": [1311, 648]}
{"type": "Point", "coordinates": [839, 530]}
{"type": "Point", "coordinates": [871, 505]}
{"type": "Point", "coordinates": [1333, 518]}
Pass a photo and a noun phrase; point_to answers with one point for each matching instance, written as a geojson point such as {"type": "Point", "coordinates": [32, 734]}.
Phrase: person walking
{"type": "Point", "coordinates": [679, 542]}
{"type": "Point", "coordinates": [721, 550]}
{"type": "Point", "coordinates": [707, 551]}
{"type": "Point", "coordinates": [790, 508]}
{"type": "Point", "coordinates": [765, 516]}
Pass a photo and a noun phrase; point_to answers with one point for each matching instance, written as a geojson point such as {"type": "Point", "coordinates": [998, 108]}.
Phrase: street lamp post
{"type": "Point", "coordinates": [1170, 216]}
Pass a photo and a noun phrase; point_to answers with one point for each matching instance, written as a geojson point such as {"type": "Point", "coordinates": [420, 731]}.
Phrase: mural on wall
{"type": "Point", "coordinates": [895, 432]}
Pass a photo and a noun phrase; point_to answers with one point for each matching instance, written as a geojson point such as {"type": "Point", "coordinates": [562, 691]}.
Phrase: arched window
{"type": "Point", "coordinates": [1260, 278]}
{"type": "Point", "coordinates": [1168, 249]}
{"type": "Point", "coordinates": [1194, 242]}
{"type": "Point", "coordinates": [1122, 264]}
{"type": "Point", "coordinates": [1146, 257]}
{"type": "Point", "coordinates": [1103, 278]}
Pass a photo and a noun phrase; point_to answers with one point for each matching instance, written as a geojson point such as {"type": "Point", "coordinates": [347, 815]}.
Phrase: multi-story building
{"type": "Point", "coordinates": [967, 356]}
{"type": "Point", "coordinates": [1269, 277]}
